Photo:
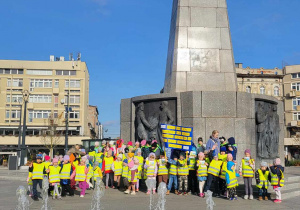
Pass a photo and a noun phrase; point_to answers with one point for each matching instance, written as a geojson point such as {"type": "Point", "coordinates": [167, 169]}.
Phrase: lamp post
{"type": "Point", "coordinates": [23, 147]}
{"type": "Point", "coordinates": [20, 128]}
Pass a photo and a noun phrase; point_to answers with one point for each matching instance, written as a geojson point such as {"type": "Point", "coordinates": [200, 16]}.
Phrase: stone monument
{"type": "Point", "coordinates": [200, 88]}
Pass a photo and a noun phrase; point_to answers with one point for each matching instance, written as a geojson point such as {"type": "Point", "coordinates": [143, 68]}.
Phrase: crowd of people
{"type": "Point", "coordinates": [127, 166]}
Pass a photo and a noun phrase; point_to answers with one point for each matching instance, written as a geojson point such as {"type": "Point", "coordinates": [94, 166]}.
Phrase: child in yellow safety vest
{"type": "Point", "coordinates": [262, 177]}
{"type": "Point", "coordinates": [29, 181]}
{"type": "Point", "coordinates": [162, 169]}
{"type": "Point", "coordinates": [125, 170]}
{"type": "Point", "coordinates": [140, 168]}
{"type": "Point", "coordinates": [173, 171]}
{"type": "Point", "coordinates": [213, 175]}
{"type": "Point", "coordinates": [183, 172]}
{"type": "Point", "coordinates": [80, 173]}
{"type": "Point", "coordinates": [54, 177]}
{"type": "Point", "coordinates": [97, 172]}
{"type": "Point", "coordinates": [108, 161]}
{"type": "Point", "coordinates": [133, 164]}
{"type": "Point", "coordinates": [247, 169]}
{"type": "Point", "coordinates": [47, 162]}
{"type": "Point", "coordinates": [222, 183]}
{"type": "Point", "coordinates": [38, 170]}
{"type": "Point", "coordinates": [151, 172]}
{"type": "Point", "coordinates": [231, 180]}
{"type": "Point", "coordinates": [201, 172]}
{"type": "Point", "coordinates": [65, 174]}
{"type": "Point", "coordinates": [192, 177]}
{"type": "Point", "coordinates": [277, 178]}
{"type": "Point", "coordinates": [117, 169]}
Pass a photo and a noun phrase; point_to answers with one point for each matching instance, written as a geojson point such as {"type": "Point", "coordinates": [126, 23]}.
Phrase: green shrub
{"type": "Point", "coordinates": [293, 163]}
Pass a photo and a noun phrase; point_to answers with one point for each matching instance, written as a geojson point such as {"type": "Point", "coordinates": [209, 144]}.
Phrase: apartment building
{"type": "Point", "coordinates": [49, 84]}
{"type": "Point", "coordinates": [93, 122]}
{"type": "Point", "coordinates": [291, 82]}
{"type": "Point", "coordinates": [260, 81]}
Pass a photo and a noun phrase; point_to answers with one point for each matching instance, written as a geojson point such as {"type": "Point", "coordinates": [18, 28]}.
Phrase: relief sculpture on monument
{"type": "Point", "coordinates": [150, 115]}
{"type": "Point", "coordinates": [267, 123]}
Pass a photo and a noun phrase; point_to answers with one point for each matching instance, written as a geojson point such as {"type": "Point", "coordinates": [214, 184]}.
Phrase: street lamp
{"type": "Point", "coordinates": [67, 121]}
{"type": "Point", "coordinates": [20, 128]}
{"type": "Point", "coordinates": [23, 148]}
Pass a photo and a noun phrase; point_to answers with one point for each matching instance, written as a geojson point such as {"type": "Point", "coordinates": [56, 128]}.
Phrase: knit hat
{"type": "Point", "coordinates": [143, 143]}
{"type": "Point", "coordinates": [248, 151]}
{"type": "Point", "coordinates": [66, 157]}
{"type": "Point", "coordinates": [201, 155]}
{"type": "Point", "coordinates": [154, 144]}
{"type": "Point", "coordinates": [223, 149]}
{"type": "Point", "coordinates": [126, 150]}
{"type": "Point", "coordinates": [111, 143]}
{"type": "Point", "coordinates": [277, 161]}
{"type": "Point", "coordinates": [97, 144]}
{"type": "Point", "coordinates": [130, 155]}
{"type": "Point", "coordinates": [231, 141]}
{"type": "Point", "coordinates": [138, 150]}
{"type": "Point", "coordinates": [264, 164]}
{"type": "Point", "coordinates": [154, 141]}
{"type": "Point", "coordinates": [55, 160]}
{"type": "Point", "coordinates": [103, 142]}
{"type": "Point", "coordinates": [137, 143]}
{"type": "Point", "coordinates": [120, 156]}
{"type": "Point", "coordinates": [152, 154]}
{"type": "Point", "coordinates": [84, 158]}
{"type": "Point", "coordinates": [47, 158]}
{"type": "Point", "coordinates": [129, 143]}
{"type": "Point", "coordinates": [229, 157]}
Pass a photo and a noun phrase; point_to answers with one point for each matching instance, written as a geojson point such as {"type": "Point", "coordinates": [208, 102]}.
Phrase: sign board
{"type": "Point", "coordinates": [177, 137]}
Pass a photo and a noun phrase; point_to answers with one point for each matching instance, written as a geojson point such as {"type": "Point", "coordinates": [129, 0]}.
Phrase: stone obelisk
{"type": "Point", "coordinates": [200, 56]}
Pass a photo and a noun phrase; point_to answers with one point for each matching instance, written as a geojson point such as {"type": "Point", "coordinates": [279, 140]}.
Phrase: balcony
{"type": "Point", "coordinates": [292, 93]}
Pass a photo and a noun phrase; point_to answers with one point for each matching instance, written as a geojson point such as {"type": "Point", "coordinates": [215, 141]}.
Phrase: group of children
{"type": "Point", "coordinates": [184, 171]}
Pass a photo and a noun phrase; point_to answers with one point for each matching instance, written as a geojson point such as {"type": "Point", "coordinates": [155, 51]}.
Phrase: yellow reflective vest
{"type": "Point", "coordinates": [98, 157]}
{"type": "Point", "coordinates": [202, 169]}
{"type": "Point", "coordinates": [151, 167]}
{"type": "Point", "coordinates": [223, 170]}
{"type": "Point", "coordinates": [47, 164]}
{"type": "Point", "coordinates": [192, 164]}
{"type": "Point", "coordinates": [233, 180]}
{"type": "Point", "coordinates": [92, 154]}
{"type": "Point", "coordinates": [247, 171]}
{"type": "Point", "coordinates": [162, 169]}
{"type": "Point", "coordinates": [263, 179]}
{"type": "Point", "coordinates": [125, 171]}
{"type": "Point", "coordinates": [108, 163]}
{"type": "Point", "coordinates": [173, 169]}
{"type": "Point", "coordinates": [275, 179]}
{"type": "Point", "coordinates": [65, 171]}
{"type": "Point", "coordinates": [54, 174]}
{"type": "Point", "coordinates": [214, 167]}
{"type": "Point", "coordinates": [118, 168]}
{"type": "Point", "coordinates": [97, 173]}
{"type": "Point", "coordinates": [222, 157]}
{"type": "Point", "coordinates": [80, 173]}
{"type": "Point", "coordinates": [183, 170]}
{"type": "Point", "coordinates": [38, 169]}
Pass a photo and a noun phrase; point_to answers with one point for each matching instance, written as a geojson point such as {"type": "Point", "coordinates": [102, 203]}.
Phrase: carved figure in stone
{"type": "Point", "coordinates": [268, 129]}
{"type": "Point", "coordinates": [165, 117]}
{"type": "Point", "coordinates": [262, 130]}
{"type": "Point", "coordinates": [142, 123]}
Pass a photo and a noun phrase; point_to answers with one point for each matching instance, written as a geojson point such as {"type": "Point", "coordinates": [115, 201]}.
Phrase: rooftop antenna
{"type": "Point", "coordinates": [70, 56]}
{"type": "Point", "coordinates": [79, 56]}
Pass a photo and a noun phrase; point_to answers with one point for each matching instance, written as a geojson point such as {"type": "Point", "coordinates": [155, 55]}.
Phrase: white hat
{"type": "Point", "coordinates": [111, 143]}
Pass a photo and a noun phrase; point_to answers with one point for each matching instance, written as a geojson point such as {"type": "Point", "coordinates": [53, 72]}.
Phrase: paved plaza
{"type": "Point", "coordinates": [116, 200]}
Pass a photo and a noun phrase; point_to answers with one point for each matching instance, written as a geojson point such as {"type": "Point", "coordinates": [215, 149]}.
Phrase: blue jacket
{"type": "Point", "coordinates": [210, 143]}
{"type": "Point", "coordinates": [229, 166]}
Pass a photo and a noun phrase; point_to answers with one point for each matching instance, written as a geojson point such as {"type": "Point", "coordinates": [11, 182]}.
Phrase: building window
{"type": "Point", "coordinates": [38, 114]}
{"type": "Point", "coordinates": [55, 101]}
{"type": "Point", "coordinates": [56, 83]}
{"type": "Point", "coordinates": [73, 115]}
{"type": "Point", "coordinates": [8, 98]}
{"type": "Point", "coordinates": [262, 90]}
{"type": "Point", "coordinates": [72, 84]}
{"type": "Point", "coordinates": [276, 91]}
{"type": "Point", "coordinates": [296, 102]}
{"type": "Point", "coordinates": [39, 72]}
{"type": "Point", "coordinates": [40, 98]}
{"type": "Point", "coordinates": [15, 83]}
{"type": "Point", "coordinates": [296, 116]}
{"type": "Point", "coordinates": [11, 71]}
{"type": "Point", "coordinates": [16, 98]}
{"type": "Point", "coordinates": [55, 114]}
{"type": "Point", "coordinates": [296, 75]}
{"type": "Point", "coordinates": [248, 89]}
{"type": "Point", "coordinates": [73, 99]}
{"type": "Point", "coordinates": [66, 72]}
{"type": "Point", "coordinates": [7, 114]}
{"type": "Point", "coordinates": [15, 114]}
{"type": "Point", "coordinates": [40, 83]}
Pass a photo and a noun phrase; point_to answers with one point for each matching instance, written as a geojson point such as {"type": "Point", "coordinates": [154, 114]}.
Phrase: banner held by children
{"type": "Point", "coordinates": [177, 137]}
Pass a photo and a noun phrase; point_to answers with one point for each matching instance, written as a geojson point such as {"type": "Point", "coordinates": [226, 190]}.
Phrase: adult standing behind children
{"type": "Point", "coordinates": [214, 140]}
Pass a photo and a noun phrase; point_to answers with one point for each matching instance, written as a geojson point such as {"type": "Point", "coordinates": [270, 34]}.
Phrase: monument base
{"type": "Point", "coordinates": [233, 114]}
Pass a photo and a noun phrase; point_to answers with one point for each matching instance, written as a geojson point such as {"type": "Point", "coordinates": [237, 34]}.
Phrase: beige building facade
{"type": "Point", "coordinates": [93, 122]}
{"type": "Point", "coordinates": [260, 81]}
{"type": "Point", "coordinates": [48, 83]}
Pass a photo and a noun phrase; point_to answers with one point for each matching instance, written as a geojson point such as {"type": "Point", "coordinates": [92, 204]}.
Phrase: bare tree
{"type": "Point", "coordinates": [51, 137]}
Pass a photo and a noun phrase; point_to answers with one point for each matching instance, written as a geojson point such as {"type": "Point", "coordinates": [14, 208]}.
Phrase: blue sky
{"type": "Point", "coordinates": [124, 42]}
